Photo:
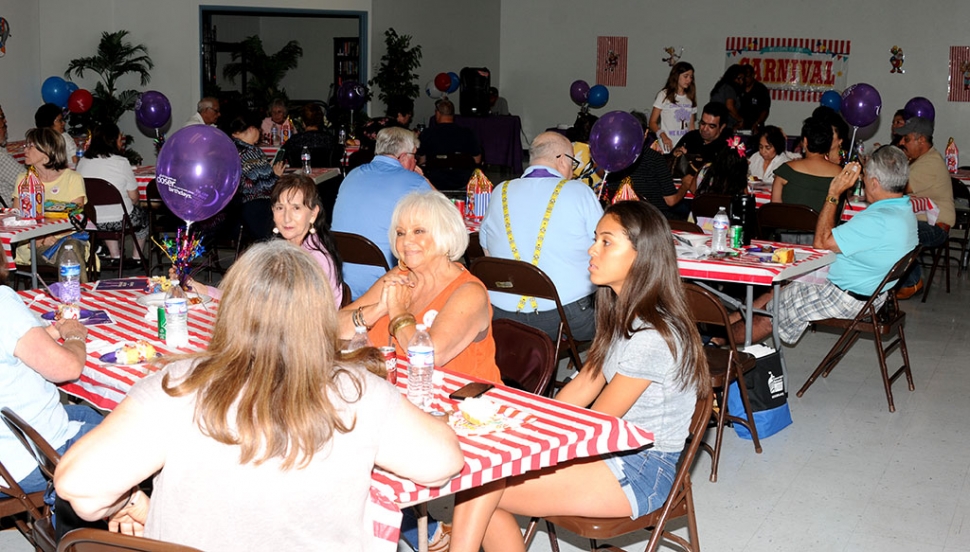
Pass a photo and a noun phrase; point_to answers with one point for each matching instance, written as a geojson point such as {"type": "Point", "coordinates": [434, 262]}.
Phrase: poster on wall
{"type": "Point", "coordinates": [793, 69]}
{"type": "Point", "coordinates": [959, 79]}
{"type": "Point", "coordinates": [611, 60]}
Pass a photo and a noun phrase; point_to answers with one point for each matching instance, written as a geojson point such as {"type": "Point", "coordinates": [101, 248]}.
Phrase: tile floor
{"type": "Point", "coordinates": [847, 475]}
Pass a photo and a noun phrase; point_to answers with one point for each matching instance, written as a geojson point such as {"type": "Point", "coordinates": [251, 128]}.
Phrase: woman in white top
{"type": "Point", "coordinates": [265, 441]}
{"type": "Point", "coordinates": [675, 109]}
{"type": "Point", "coordinates": [103, 160]}
{"type": "Point", "coordinates": [771, 154]}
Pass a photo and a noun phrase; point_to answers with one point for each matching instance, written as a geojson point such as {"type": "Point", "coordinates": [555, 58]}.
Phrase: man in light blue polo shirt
{"type": "Point", "coordinates": [368, 195]}
{"type": "Point", "coordinates": [573, 214]}
{"type": "Point", "coordinates": [866, 248]}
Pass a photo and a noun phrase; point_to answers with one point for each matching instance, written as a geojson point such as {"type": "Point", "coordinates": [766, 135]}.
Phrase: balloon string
{"type": "Point", "coordinates": [852, 143]}
{"type": "Point", "coordinates": [606, 174]}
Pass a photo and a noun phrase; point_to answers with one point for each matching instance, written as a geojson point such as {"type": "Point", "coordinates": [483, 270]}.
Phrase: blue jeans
{"type": "Point", "coordinates": [581, 315]}
{"type": "Point", "coordinates": [646, 477]}
{"type": "Point", "coordinates": [35, 481]}
{"type": "Point", "coordinates": [929, 236]}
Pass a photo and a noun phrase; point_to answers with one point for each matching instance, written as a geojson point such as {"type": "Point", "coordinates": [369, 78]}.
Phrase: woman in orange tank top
{"type": "Point", "coordinates": [428, 287]}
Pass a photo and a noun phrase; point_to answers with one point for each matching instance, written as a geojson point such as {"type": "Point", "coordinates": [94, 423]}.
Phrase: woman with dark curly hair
{"type": "Point", "coordinates": [258, 177]}
{"type": "Point", "coordinates": [771, 154]}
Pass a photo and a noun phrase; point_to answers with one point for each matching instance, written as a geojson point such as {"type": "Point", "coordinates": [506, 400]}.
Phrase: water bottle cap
{"type": "Point", "coordinates": [421, 327]}
{"type": "Point", "coordinates": [360, 329]}
{"type": "Point", "coordinates": [68, 246]}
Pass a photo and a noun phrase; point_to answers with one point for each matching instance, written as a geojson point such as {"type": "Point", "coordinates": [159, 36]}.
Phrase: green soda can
{"type": "Point", "coordinates": [161, 323]}
{"type": "Point", "coordinates": [735, 236]}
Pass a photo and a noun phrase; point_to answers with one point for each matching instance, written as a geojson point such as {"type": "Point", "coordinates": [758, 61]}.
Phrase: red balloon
{"type": "Point", "coordinates": [442, 82]}
{"type": "Point", "coordinates": [80, 101]}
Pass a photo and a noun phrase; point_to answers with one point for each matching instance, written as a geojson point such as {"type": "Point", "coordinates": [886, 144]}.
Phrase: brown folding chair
{"type": "Point", "coordinates": [774, 218]}
{"type": "Point", "coordinates": [97, 540]}
{"type": "Point", "coordinates": [680, 503]}
{"type": "Point", "coordinates": [945, 251]}
{"type": "Point", "coordinates": [522, 278]}
{"type": "Point", "coordinates": [726, 366]}
{"type": "Point", "coordinates": [19, 503]}
{"type": "Point", "coordinates": [345, 296]}
{"type": "Point", "coordinates": [357, 249]}
{"type": "Point", "coordinates": [961, 198]}
{"type": "Point", "coordinates": [100, 193]}
{"type": "Point", "coordinates": [877, 322]}
{"type": "Point", "coordinates": [524, 355]}
{"type": "Point", "coordinates": [685, 226]}
{"type": "Point", "coordinates": [46, 458]}
{"type": "Point", "coordinates": [474, 250]}
{"type": "Point", "coordinates": [707, 205]}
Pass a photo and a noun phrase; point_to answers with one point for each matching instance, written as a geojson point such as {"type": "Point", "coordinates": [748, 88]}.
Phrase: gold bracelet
{"type": "Point", "coordinates": [400, 321]}
{"type": "Point", "coordinates": [360, 318]}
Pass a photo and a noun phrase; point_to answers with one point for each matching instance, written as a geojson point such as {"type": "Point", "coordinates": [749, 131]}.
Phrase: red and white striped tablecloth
{"type": "Point", "coordinates": [15, 234]}
{"type": "Point", "coordinates": [16, 150]}
{"type": "Point", "coordinates": [921, 206]}
{"type": "Point", "coordinates": [106, 385]}
{"type": "Point", "coordinates": [554, 433]}
{"type": "Point", "coordinates": [732, 269]}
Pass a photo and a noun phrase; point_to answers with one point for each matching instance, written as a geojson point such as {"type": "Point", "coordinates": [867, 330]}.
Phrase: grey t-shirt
{"type": "Point", "coordinates": [663, 408]}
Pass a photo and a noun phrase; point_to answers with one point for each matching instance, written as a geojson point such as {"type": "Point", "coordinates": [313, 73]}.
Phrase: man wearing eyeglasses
{"type": "Point", "coordinates": [9, 167]}
{"type": "Point", "coordinates": [700, 147]}
{"type": "Point", "coordinates": [516, 214]}
{"type": "Point", "coordinates": [207, 113]}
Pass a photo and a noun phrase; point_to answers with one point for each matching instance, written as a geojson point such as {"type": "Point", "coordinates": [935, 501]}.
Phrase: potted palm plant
{"type": "Point", "coordinates": [115, 57]}
{"type": "Point", "coordinates": [396, 75]}
{"type": "Point", "coordinates": [262, 72]}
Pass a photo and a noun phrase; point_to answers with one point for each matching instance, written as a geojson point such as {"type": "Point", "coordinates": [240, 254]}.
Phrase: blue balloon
{"type": "Point", "coordinates": [454, 82]}
{"type": "Point", "coordinates": [71, 88]}
{"type": "Point", "coordinates": [832, 99]}
{"type": "Point", "coordinates": [598, 96]}
{"type": "Point", "coordinates": [55, 91]}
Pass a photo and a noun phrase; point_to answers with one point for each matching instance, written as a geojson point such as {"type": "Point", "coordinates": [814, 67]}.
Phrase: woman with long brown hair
{"type": "Point", "coordinates": [267, 426]}
{"type": "Point", "coordinates": [646, 365]}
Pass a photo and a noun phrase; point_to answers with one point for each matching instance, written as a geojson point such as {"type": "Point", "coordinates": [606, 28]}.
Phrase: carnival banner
{"type": "Point", "coordinates": [958, 87]}
{"type": "Point", "coordinates": [793, 69]}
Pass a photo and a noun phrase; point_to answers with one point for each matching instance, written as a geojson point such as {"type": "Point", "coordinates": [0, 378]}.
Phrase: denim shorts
{"type": "Point", "coordinates": [646, 476]}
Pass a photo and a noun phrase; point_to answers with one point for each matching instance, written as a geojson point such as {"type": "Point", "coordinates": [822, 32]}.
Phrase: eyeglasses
{"type": "Point", "coordinates": [214, 109]}
{"type": "Point", "coordinates": [29, 145]}
{"type": "Point", "coordinates": [575, 162]}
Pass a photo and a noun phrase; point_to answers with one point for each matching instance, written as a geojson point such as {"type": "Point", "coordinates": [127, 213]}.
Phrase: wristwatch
{"type": "Point", "coordinates": [832, 199]}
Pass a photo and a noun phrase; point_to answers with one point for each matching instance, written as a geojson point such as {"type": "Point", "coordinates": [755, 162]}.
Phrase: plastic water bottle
{"type": "Point", "coordinates": [721, 224]}
{"type": "Point", "coordinates": [305, 157]}
{"type": "Point", "coordinates": [176, 317]}
{"type": "Point", "coordinates": [421, 369]}
{"type": "Point", "coordinates": [342, 136]}
{"type": "Point", "coordinates": [275, 133]}
{"type": "Point", "coordinates": [359, 341]}
{"type": "Point", "coordinates": [69, 275]}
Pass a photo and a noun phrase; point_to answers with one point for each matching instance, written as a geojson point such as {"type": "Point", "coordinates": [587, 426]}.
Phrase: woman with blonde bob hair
{"type": "Point", "coordinates": [429, 287]}
{"type": "Point", "coordinates": [269, 414]}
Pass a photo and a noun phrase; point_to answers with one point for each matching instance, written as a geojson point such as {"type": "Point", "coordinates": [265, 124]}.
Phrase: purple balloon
{"type": "Point", "coordinates": [198, 171]}
{"type": "Point", "coordinates": [152, 109]}
{"type": "Point", "coordinates": [921, 107]}
{"type": "Point", "coordinates": [578, 91]}
{"type": "Point", "coordinates": [860, 105]}
{"type": "Point", "coordinates": [351, 95]}
{"type": "Point", "coordinates": [615, 141]}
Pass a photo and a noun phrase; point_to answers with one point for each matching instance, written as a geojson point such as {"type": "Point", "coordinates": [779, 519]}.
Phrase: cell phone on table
{"type": "Point", "coordinates": [280, 156]}
{"type": "Point", "coordinates": [470, 391]}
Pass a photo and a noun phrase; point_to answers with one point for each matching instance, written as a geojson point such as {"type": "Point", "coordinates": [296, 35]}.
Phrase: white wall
{"type": "Point", "coordinates": [20, 76]}
{"type": "Point", "coordinates": [452, 34]}
{"type": "Point", "coordinates": [314, 74]}
{"type": "Point", "coordinates": [169, 28]}
{"type": "Point", "coordinates": [547, 44]}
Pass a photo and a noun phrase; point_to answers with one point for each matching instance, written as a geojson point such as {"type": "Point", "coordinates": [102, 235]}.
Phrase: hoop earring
{"type": "Point", "coordinates": [402, 265]}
